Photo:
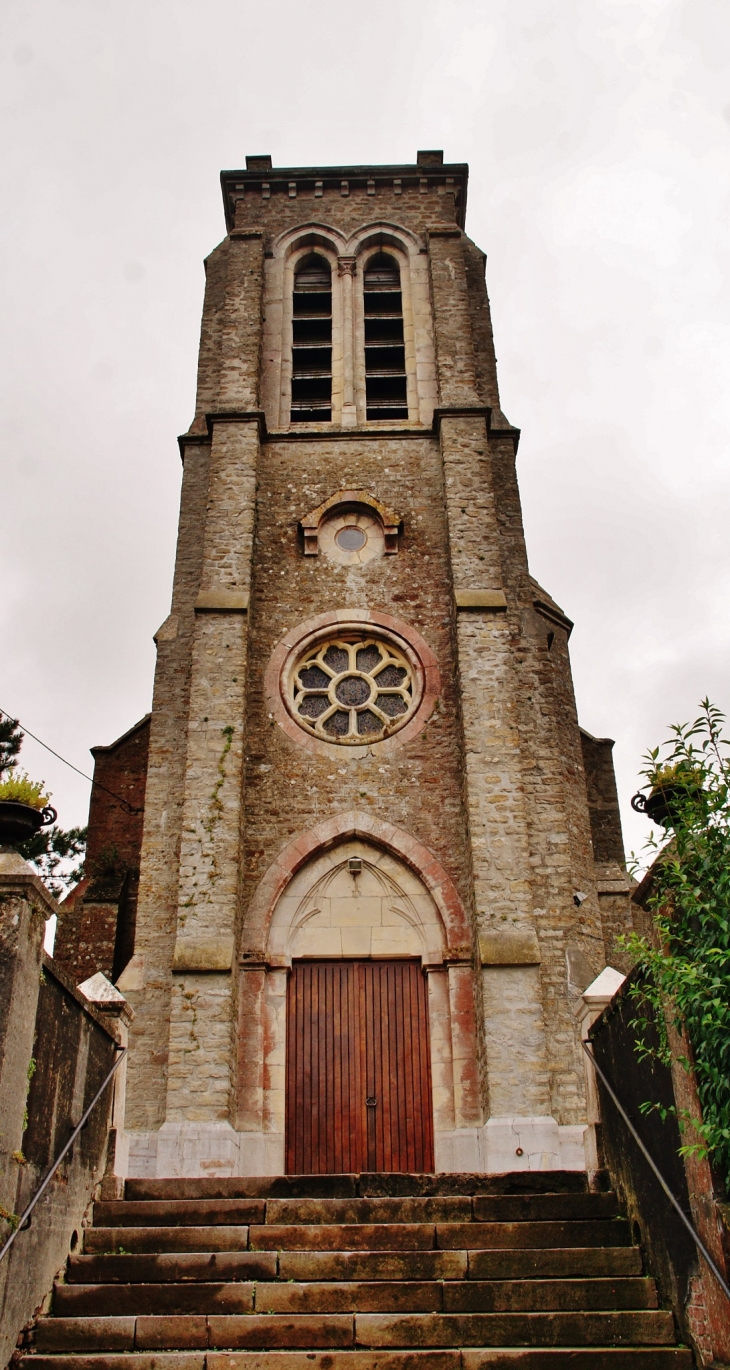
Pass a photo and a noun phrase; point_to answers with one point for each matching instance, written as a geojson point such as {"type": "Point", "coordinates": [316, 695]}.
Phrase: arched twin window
{"type": "Point", "coordinates": [311, 385]}
{"type": "Point", "coordinates": [385, 355]}
{"type": "Point", "coordinates": [384, 346]}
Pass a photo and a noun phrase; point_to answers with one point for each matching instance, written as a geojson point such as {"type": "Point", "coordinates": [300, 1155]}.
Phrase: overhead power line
{"type": "Point", "coordinates": [27, 732]}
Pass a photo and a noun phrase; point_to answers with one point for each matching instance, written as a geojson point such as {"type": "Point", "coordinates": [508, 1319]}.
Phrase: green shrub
{"type": "Point", "coordinates": [687, 963]}
{"type": "Point", "coordinates": [22, 790]}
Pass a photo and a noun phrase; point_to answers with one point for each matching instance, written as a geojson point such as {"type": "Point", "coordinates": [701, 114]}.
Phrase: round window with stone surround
{"type": "Point", "coordinates": [352, 688]}
{"type": "Point", "coordinates": [351, 538]}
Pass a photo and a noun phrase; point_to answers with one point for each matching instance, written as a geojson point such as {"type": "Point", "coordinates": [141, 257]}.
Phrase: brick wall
{"type": "Point", "coordinates": [96, 927]}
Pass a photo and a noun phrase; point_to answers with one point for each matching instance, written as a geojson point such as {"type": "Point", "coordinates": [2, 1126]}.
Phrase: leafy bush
{"type": "Point", "coordinates": [687, 962]}
{"type": "Point", "coordinates": [11, 740]}
{"type": "Point", "coordinates": [680, 774]}
{"type": "Point", "coordinates": [22, 790]}
{"type": "Point", "coordinates": [50, 851]}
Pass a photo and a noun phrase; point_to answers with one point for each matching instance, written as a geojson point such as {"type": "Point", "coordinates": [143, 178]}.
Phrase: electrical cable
{"type": "Point", "coordinates": [26, 731]}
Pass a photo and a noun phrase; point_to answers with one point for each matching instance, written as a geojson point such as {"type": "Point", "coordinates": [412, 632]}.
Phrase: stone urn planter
{"type": "Point", "coordinates": [18, 821]}
{"type": "Point", "coordinates": [659, 802]}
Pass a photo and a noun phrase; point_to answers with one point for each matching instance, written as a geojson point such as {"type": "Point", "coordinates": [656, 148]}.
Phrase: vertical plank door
{"type": "Point", "coordinates": [358, 1089]}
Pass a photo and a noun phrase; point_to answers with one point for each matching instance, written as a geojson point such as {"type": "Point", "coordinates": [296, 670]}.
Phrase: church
{"type": "Point", "coordinates": [364, 860]}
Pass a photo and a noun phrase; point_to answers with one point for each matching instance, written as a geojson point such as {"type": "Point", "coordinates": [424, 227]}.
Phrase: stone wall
{"type": "Point", "coordinates": [97, 921]}
{"type": "Point", "coordinates": [55, 1052]}
{"type": "Point", "coordinates": [684, 1280]}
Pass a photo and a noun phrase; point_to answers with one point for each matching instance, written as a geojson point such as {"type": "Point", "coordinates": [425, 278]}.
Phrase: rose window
{"type": "Point", "coordinates": [352, 690]}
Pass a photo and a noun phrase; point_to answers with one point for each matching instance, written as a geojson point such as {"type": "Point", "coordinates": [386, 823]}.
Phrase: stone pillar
{"type": "Point", "coordinates": [261, 1068]}
{"type": "Point", "coordinates": [202, 1010]}
{"type": "Point", "coordinates": [241, 321]}
{"type": "Point", "coordinates": [452, 320]}
{"type": "Point", "coordinates": [517, 1080]}
{"type": "Point", "coordinates": [116, 1014]}
{"type": "Point", "coordinates": [25, 905]}
{"type": "Point", "coordinates": [554, 794]}
{"type": "Point", "coordinates": [197, 1123]}
{"type": "Point", "coordinates": [146, 980]}
{"type": "Point", "coordinates": [346, 268]}
{"type": "Point", "coordinates": [181, 979]}
{"type": "Point", "coordinates": [588, 1010]}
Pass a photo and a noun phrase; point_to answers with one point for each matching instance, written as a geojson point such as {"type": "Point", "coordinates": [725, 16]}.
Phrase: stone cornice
{"type": "Point", "coordinates": [332, 434]}
{"type": "Point", "coordinates": [553, 615]}
{"type": "Point", "coordinates": [449, 177]}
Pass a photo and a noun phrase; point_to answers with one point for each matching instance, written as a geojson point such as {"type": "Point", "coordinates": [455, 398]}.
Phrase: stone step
{"type": "Point", "coordinates": [502, 1358]}
{"type": "Point", "coordinates": [483, 1236]}
{"type": "Point", "coordinates": [571, 1263]}
{"type": "Point", "coordinates": [364, 1185]}
{"type": "Point", "coordinates": [346, 1237]}
{"type": "Point", "coordinates": [542, 1358]}
{"type": "Point", "coordinates": [254, 1360]}
{"type": "Point", "coordinates": [540, 1295]}
{"type": "Point", "coordinates": [131, 1300]}
{"type": "Point", "coordinates": [185, 1212]}
{"type": "Point", "coordinates": [172, 1267]}
{"type": "Point", "coordinates": [177, 1266]}
{"type": "Point", "coordinates": [397, 1296]}
{"type": "Point", "coordinates": [442, 1209]}
{"type": "Point", "coordinates": [344, 1331]}
{"type": "Point", "coordinates": [358, 1237]}
{"type": "Point", "coordinates": [131, 1239]}
{"type": "Point", "coordinates": [460, 1296]}
{"type": "Point", "coordinates": [543, 1207]}
{"type": "Point", "coordinates": [194, 1332]}
{"type": "Point", "coordinates": [611, 1262]}
{"type": "Point", "coordinates": [443, 1236]}
{"type": "Point", "coordinates": [510, 1329]}
{"type": "Point", "coordinates": [435, 1209]}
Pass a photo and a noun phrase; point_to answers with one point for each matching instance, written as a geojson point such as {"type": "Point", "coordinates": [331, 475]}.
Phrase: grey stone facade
{"type": "Point", "coordinates": [479, 808]}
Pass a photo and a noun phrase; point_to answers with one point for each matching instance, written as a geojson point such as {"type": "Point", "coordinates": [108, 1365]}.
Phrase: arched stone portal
{"type": "Point", "coordinates": [354, 899]}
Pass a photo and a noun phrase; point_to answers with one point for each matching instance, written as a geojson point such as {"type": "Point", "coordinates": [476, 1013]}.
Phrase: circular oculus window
{"type": "Point", "coordinates": [352, 688]}
{"type": "Point", "coordinates": [351, 538]}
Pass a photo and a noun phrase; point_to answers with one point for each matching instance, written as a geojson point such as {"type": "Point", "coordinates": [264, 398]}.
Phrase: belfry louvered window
{"type": "Point", "coordinates": [385, 356]}
{"type": "Point", "coordinates": [311, 385]}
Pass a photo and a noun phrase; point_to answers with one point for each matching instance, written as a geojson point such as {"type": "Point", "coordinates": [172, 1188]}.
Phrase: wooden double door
{"type": "Point", "coordinates": [358, 1071]}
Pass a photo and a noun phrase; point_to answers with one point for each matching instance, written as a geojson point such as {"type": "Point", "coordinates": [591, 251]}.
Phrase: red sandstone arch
{"type": "Point", "coordinates": [327, 834]}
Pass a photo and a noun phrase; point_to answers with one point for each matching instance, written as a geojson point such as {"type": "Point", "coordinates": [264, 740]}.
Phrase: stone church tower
{"type": "Point", "coordinates": [380, 860]}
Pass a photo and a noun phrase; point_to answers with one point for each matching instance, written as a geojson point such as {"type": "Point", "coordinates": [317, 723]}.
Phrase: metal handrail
{"type": "Point", "coordinates": [696, 1239]}
{"type": "Point", "coordinates": [23, 1219]}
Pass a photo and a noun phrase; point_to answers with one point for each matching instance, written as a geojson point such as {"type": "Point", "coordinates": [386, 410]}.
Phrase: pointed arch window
{"type": "Point", "coordinates": [385, 357]}
{"type": "Point", "coordinates": [311, 386]}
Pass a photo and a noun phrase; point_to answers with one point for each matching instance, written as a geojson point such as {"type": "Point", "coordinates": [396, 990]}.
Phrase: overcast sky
{"type": "Point", "coordinates": [597, 133]}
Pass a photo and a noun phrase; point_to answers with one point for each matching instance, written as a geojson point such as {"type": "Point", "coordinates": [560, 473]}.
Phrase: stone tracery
{"type": "Point", "coordinates": [347, 688]}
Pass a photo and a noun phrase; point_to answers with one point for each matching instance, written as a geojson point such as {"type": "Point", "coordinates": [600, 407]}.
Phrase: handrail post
{"type": "Point", "coordinates": [588, 1010]}
{"type": "Point", "coordinates": [107, 1001]}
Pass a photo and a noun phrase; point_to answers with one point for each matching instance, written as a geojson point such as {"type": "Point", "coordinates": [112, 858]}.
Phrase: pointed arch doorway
{"type": "Point", "coordinates": [360, 928]}
{"type": "Point", "coordinates": [358, 1087]}
{"type": "Point", "coordinates": [356, 890]}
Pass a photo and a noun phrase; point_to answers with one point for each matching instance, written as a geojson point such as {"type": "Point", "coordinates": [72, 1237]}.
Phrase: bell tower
{"type": "Point", "coordinates": [380, 859]}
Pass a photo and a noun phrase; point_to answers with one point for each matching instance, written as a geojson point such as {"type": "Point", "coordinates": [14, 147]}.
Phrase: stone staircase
{"type": "Point", "coordinates": [368, 1272]}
